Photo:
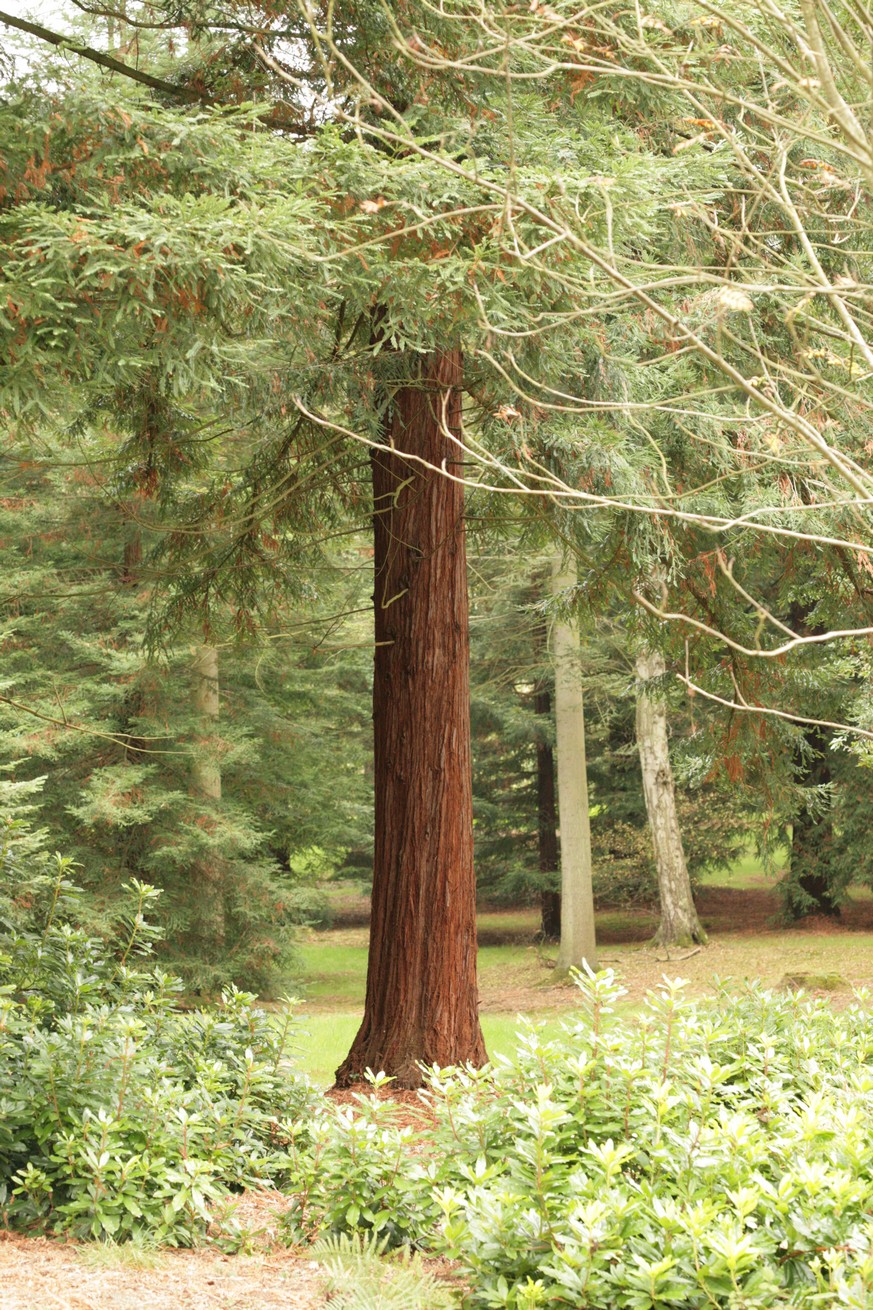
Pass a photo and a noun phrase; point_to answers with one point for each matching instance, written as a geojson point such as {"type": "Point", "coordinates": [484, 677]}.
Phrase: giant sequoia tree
{"type": "Point", "coordinates": [418, 185]}
{"type": "Point", "coordinates": [422, 1000]}
{"type": "Point", "coordinates": [381, 232]}
{"type": "Point", "coordinates": [204, 282]}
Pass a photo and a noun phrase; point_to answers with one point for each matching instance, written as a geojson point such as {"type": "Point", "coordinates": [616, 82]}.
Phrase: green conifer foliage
{"type": "Point", "coordinates": [116, 737]}
{"type": "Point", "coordinates": [649, 244]}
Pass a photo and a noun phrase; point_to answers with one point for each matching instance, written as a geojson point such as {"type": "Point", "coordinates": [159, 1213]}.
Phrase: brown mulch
{"type": "Point", "coordinates": [37, 1273]}
{"type": "Point", "coordinates": [748, 911]}
{"type": "Point", "coordinates": [753, 910]}
{"type": "Point", "coordinates": [409, 1109]}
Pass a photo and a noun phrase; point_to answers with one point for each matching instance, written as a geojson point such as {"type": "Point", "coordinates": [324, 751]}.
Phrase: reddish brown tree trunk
{"type": "Point", "coordinates": [132, 559]}
{"type": "Point", "coordinates": [422, 996]}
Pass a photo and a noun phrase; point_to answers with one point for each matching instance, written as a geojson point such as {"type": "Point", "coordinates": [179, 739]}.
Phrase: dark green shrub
{"type": "Point", "coordinates": [119, 1112]}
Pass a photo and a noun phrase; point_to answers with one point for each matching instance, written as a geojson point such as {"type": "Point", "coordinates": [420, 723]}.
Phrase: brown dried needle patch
{"type": "Point", "coordinates": [40, 1274]}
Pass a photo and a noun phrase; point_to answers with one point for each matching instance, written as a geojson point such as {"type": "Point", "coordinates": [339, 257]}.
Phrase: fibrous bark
{"type": "Point", "coordinates": [679, 924]}
{"type": "Point", "coordinates": [422, 996]}
{"type": "Point", "coordinates": [132, 559]}
{"type": "Point", "coordinates": [577, 946]}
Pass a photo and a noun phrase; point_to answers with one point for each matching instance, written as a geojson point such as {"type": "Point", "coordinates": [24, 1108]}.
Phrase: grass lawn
{"type": "Point", "coordinates": [324, 1038]}
{"type": "Point", "coordinates": [334, 973]}
{"type": "Point", "coordinates": [747, 871]}
{"type": "Point", "coordinates": [335, 978]}
{"type": "Point", "coordinates": [738, 907]}
{"type": "Point", "coordinates": [515, 980]}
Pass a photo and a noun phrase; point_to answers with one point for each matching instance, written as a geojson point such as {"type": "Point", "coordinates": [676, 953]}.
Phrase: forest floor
{"type": "Point", "coordinates": [746, 942]}
{"type": "Point", "coordinates": [38, 1273]}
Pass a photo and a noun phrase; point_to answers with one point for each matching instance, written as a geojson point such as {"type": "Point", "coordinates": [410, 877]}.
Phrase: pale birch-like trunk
{"type": "Point", "coordinates": [679, 924]}
{"type": "Point", "coordinates": [577, 946]}
{"type": "Point", "coordinates": [207, 873]}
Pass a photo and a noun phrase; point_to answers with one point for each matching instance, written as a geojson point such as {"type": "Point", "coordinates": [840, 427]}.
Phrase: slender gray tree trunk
{"type": "Point", "coordinates": [208, 872]}
{"type": "Point", "coordinates": [679, 924]}
{"type": "Point", "coordinates": [578, 945]}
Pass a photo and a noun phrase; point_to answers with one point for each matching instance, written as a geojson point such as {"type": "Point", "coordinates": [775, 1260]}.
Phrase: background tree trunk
{"type": "Point", "coordinates": [547, 825]}
{"type": "Point", "coordinates": [578, 945]}
{"type": "Point", "coordinates": [134, 702]}
{"type": "Point", "coordinates": [132, 559]}
{"type": "Point", "coordinates": [679, 924]}
{"type": "Point", "coordinates": [207, 873]}
{"type": "Point", "coordinates": [808, 888]}
{"type": "Point", "coordinates": [422, 995]}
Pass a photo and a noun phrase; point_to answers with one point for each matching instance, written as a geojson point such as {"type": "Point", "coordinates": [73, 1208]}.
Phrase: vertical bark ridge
{"type": "Point", "coordinates": [422, 996]}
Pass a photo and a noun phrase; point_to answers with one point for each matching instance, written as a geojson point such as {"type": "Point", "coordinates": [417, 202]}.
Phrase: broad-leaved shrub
{"type": "Point", "coordinates": [701, 1155]}
{"type": "Point", "coordinates": [120, 1113]}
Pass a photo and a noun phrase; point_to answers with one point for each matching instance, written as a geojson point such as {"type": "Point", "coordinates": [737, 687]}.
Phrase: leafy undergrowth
{"type": "Point", "coordinates": [699, 1155]}
{"type": "Point", "coordinates": [120, 1113]}
{"type": "Point", "coordinates": [694, 1154]}
{"type": "Point", "coordinates": [360, 1276]}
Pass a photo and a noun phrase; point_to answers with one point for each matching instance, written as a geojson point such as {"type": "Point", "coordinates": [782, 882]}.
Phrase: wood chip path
{"type": "Point", "coordinates": [40, 1274]}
